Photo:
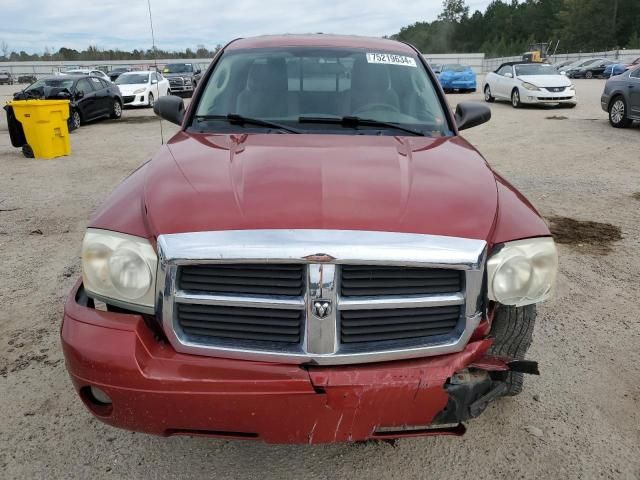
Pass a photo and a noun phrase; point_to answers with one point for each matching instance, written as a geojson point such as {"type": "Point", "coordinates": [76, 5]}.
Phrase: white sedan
{"type": "Point", "coordinates": [87, 71]}
{"type": "Point", "coordinates": [529, 83]}
{"type": "Point", "coordinates": [142, 88]}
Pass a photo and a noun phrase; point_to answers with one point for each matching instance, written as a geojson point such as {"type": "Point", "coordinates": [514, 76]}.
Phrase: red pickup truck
{"type": "Point", "coordinates": [316, 256]}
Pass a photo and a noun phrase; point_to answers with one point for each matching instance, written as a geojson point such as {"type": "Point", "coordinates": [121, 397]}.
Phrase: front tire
{"type": "Point", "coordinates": [588, 75]}
{"type": "Point", "coordinates": [512, 330]}
{"type": "Point", "coordinates": [487, 95]}
{"type": "Point", "coordinates": [116, 110]}
{"type": "Point", "coordinates": [515, 98]}
{"type": "Point", "coordinates": [618, 113]}
{"type": "Point", "coordinates": [151, 101]}
{"type": "Point", "coordinates": [75, 120]}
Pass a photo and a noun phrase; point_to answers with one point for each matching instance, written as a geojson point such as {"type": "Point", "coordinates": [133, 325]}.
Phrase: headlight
{"type": "Point", "coordinates": [572, 87]}
{"type": "Point", "coordinates": [119, 267]}
{"type": "Point", "coordinates": [140, 90]}
{"type": "Point", "coordinates": [523, 272]}
{"type": "Point", "coordinates": [187, 81]}
{"type": "Point", "coordinates": [530, 86]}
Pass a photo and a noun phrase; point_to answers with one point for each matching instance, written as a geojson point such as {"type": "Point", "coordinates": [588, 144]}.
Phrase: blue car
{"type": "Point", "coordinates": [457, 77]}
{"type": "Point", "coordinates": [614, 69]}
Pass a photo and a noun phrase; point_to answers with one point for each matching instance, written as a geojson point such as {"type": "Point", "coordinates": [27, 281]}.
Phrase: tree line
{"type": "Point", "coordinates": [508, 28]}
{"type": "Point", "coordinates": [93, 53]}
{"type": "Point", "coordinates": [505, 28]}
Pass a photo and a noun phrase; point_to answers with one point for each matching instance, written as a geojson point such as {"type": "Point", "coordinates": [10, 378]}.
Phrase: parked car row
{"type": "Point", "coordinates": [594, 67]}
{"type": "Point", "coordinates": [90, 98]}
{"type": "Point", "coordinates": [94, 96]}
{"type": "Point", "coordinates": [540, 83]}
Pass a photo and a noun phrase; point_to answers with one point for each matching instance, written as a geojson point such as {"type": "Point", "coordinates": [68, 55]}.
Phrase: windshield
{"type": "Point", "coordinates": [132, 78]}
{"type": "Point", "coordinates": [52, 82]}
{"type": "Point", "coordinates": [536, 69]}
{"type": "Point", "coordinates": [286, 84]}
{"type": "Point", "coordinates": [454, 68]}
{"type": "Point", "coordinates": [178, 68]}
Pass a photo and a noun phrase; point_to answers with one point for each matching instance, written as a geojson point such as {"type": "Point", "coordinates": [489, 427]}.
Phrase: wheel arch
{"type": "Point", "coordinates": [614, 96]}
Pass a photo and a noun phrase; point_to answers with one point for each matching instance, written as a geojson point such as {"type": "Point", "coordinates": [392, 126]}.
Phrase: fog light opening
{"type": "Point", "coordinates": [100, 396]}
{"type": "Point", "coordinates": [97, 400]}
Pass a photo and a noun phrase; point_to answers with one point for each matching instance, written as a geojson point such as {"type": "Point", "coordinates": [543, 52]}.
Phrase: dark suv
{"type": "Point", "coordinates": [6, 78]}
{"type": "Point", "coordinates": [183, 77]}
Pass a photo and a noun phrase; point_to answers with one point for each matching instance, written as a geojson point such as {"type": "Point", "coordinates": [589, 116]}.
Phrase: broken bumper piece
{"type": "Point", "coordinates": [128, 379]}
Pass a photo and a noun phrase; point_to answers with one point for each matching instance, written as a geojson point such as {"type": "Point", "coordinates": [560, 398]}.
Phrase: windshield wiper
{"type": "Point", "coordinates": [235, 119]}
{"type": "Point", "coordinates": [353, 122]}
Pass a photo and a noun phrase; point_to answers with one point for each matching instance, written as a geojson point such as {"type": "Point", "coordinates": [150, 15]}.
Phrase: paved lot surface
{"type": "Point", "coordinates": [580, 419]}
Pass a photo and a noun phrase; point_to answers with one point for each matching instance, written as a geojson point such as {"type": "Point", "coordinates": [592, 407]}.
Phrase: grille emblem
{"type": "Point", "coordinates": [320, 258]}
{"type": "Point", "coordinates": [321, 308]}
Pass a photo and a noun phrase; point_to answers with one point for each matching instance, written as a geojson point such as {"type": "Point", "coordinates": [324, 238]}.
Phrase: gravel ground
{"type": "Point", "coordinates": [580, 419]}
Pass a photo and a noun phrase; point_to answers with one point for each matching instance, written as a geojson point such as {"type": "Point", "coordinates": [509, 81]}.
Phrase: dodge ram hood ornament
{"type": "Point", "coordinates": [321, 308]}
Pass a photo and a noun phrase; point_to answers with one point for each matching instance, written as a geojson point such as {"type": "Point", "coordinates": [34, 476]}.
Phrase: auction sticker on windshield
{"type": "Point", "coordinates": [391, 59]}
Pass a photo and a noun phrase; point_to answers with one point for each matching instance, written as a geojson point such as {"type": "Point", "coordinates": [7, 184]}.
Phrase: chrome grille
{"type": "Point", "coordinates": [269, 295]}
{"type": "Point", "coordinates": [254, 278]}
{"type": "Point", "coordinates": [371, 280]}
{"type": "Point", "coordinates": [242, 324]}
{"type": "Point", "coordinates": [358, 326]}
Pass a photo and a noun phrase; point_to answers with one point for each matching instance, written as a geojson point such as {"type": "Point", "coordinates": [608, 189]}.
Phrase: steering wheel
{"type": "Point", "coordinates": [376, 106]}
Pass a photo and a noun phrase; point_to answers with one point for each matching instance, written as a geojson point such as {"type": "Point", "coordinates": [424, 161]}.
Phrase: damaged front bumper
{"type": "Point", "coordinates": [156, 390]}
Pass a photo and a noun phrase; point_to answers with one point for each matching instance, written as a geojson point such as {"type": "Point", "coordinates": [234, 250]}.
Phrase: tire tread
{"type": "Point", "coordinates": [513, 332]}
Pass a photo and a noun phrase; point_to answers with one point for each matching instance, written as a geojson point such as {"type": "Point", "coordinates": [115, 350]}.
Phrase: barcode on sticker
{"type": "Point", "coordinates": [391, 59]}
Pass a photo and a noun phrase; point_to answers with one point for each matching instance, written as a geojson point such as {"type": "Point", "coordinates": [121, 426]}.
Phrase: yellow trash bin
{"type": "Point", "coordinates": [45, 126]}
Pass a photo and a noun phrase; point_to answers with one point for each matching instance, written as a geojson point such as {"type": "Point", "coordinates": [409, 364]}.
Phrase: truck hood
{"type": "Point", "coordinates": [203, 182]}
{"type": "Point", "coordinates": [184, 74]}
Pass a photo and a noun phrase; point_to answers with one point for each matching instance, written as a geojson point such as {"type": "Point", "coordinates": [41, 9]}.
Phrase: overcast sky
{"type": "Point", "coordinates": [31, 25]}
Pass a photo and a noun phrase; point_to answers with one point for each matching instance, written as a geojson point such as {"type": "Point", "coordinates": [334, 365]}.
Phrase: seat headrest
{"type": "Point", "coordinates": [370, 77]}
{"type": "Point", "coordinates": [268, 77]}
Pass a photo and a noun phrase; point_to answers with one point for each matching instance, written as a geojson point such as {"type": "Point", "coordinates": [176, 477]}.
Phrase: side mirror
{"type": "Point", "coordinates": [79, 95]}
{"type": "Point", "coordinates": [153, 82]}
{"type": "Point", "coordinates": [198, 71]}
{"type": "Point", "coordinates": [470, 114]}
{"type": "Point", "coordinates": [508, 75]}
{"type": "Point", "coordinates": [170, 108]}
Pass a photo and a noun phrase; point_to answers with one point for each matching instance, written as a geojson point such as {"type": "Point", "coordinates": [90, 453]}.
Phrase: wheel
{"type": "Point", "coordinates": [515, 98]}
{"type": "Point", "coordinates": [512, 330]}
{"type": "Point", "coordinates": [116, 110]}
{"type": "Point", "coordinates": [618, 113]}
{"type": "Point", "coordinates": [487, 95]}
{"type": "Point", "coordinates": [151, 101]}
{"type": "Point", "coordinates": [75, 120]}
{"type": "Point", "coordinates": [588, 75]}
{"type": "Point", "coordinates": [27, 151]}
